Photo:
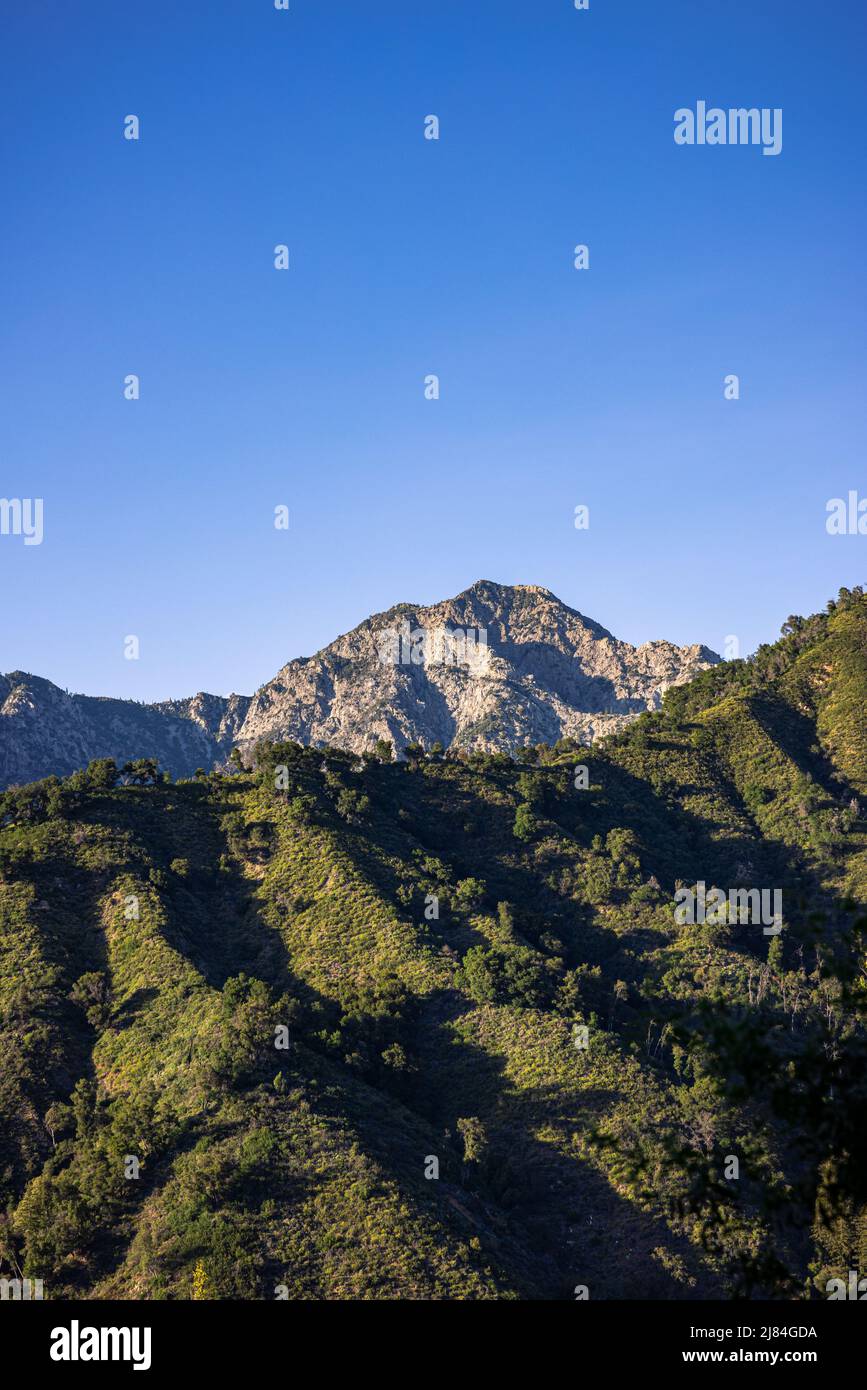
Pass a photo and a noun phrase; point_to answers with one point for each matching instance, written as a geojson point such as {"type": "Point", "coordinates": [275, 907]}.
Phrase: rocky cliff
{"type": "Point", "coordinates": [494, 668]}
{"type": "Point", "coordinates": [45, 730]}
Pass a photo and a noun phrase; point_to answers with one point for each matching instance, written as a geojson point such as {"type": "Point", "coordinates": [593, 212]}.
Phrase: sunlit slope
{"type": "Point", "coordinates": [345, 1028]}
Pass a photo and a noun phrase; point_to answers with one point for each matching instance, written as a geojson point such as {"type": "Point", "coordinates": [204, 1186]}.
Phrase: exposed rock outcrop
{"type": "Point", "coordinates": [494, 668]}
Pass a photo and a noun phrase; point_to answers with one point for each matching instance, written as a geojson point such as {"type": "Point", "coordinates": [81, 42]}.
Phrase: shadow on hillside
{"type": "Point", "coordinates": [211, 914]}
{"type": "Point", "coordinates": [52, 1056]}
{"type": "Point", "coordinates": [544, 1216]}
{"type": "Point", "coordinates": [559, 674]}
{"type": "Point", "coordinates": [675, 844]}
{"type": "Point", "coordinates": [547, 1221]}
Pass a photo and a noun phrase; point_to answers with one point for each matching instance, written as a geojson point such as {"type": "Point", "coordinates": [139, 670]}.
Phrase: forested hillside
{"type": "Point", "coordinates": [431, 1029]}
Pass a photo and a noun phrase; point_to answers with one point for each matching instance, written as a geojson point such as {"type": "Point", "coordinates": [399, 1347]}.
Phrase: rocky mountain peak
{"type": "Point", "coordinates": [493, 668]}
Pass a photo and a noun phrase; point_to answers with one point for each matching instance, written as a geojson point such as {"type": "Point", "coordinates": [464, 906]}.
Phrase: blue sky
{"type": "Point", "coordinates": [409, 257]}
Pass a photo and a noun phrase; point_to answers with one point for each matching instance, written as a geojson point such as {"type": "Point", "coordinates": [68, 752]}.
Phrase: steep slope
{"type": "Point", "coordinates": [45, 730]}
{"type": "Point", "coordinates": [304, 1167]}
{"type": "Point", "coordinates": [495, 668]}
{"type": "Point", "coordinates": [432, 1029]}
{"type": "Point", "coordinates": [533, 670]}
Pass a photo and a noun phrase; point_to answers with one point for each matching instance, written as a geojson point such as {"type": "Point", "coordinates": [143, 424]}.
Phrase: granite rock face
{"type": "Point", "coordinates": [494, 668]}
{"type": "Point", "coordinates": [44, 730]}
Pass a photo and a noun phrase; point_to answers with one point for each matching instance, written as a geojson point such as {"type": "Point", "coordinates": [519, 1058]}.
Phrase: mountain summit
{"type": "Point", "coordinates": [496, 667]}
{"type": "Point", "coordinates": [524, 1021]}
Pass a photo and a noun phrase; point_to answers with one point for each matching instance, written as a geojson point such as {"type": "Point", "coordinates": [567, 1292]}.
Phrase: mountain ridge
{"type": "Point", "coordinates": [535, 670]}
{"type": "Point", "coordinates": [434, 1029]}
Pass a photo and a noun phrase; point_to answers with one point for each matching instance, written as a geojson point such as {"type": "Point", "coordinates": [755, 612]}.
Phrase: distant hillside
{"type": "Point", "coordinates": [45, 730]}
{"type": "Point", "coordinates": [494, 668]}
{"type": "Point", "coordinates": [509, 1069]}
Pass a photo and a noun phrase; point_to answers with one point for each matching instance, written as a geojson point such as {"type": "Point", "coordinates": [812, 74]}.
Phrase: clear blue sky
{"type": "Point", "coordinates": [411, 257]}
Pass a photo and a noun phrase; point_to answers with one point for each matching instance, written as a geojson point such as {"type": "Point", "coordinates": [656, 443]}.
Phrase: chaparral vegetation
{"type": "Point", "coordinates": [323, 1025]}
